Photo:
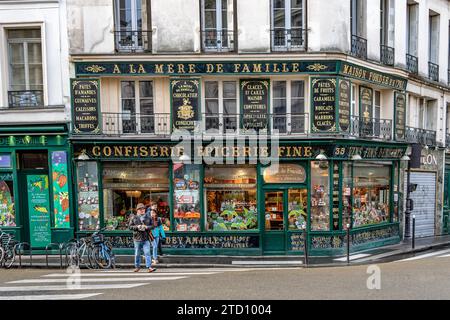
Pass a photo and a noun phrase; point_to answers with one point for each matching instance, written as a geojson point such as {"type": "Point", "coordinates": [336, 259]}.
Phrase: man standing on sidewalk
{"type": "Point", "coordinates": [141, 225]}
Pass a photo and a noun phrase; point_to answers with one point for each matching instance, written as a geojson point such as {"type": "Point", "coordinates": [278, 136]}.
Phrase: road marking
{"type": "Point", "coordinates": [81, 279]}
{"type": "Point", "coordinates": [74, 287]}
{"type": "Point", "coordinates": [423, 256]}
{"type": "Point", "coordinates": [238, 262]}
{"type": "Point", "coordinates": [98, 274]}
{"type": "Point", "coordinates": [353, 257]}
{"type": "Point", "coordinates": [52, 297]}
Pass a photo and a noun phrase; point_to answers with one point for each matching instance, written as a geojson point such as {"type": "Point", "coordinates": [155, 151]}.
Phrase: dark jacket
{"type": "Point", "coordinates": [135, 221]}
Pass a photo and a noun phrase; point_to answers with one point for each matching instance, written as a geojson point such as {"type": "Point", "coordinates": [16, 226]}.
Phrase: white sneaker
{"type": "Point", "coordinates": [154, 261]}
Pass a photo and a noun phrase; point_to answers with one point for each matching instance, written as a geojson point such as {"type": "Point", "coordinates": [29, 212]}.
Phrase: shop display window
{"type": "Point", "coordinates": [230, 196]}
{"type": "Point", "coordinates": [371, 189]}
{"type": "Point", "coordinates": [346, 194]}
{"type": "Point", "coordinates": [320, 196]}
{"type": "Point", "coordinates": [88, 197]}
{"type": "Point", "coordinates": [5, 160]}
{"type": "Point", "coordinates": [186, 197]}
{"type": "Point", "coordinates": [125, 184]}
{"type": "Point", "coordinates": [297, 206]}
{"type": "Point", "coordinates": [7, 211]}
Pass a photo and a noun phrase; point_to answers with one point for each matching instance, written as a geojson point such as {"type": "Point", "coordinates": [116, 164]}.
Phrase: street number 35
{"type": "Point", "coordinates": [339, 151]}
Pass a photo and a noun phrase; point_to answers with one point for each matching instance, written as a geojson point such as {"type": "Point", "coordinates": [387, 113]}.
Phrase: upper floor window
{"type": "Point", "coordinates": [137, 107]}
{"type": "Point", "coordinates": [288, 25]}
{"type": "Point", "coordinates": [433, 47]}
{"type": "Point", "coordinates": [25, 68]}
{"type": "Point", "coordinates": [387, 31]}
{"type": "Point", "coordinates": [133, 25]}
{"type": "Point", "coordinates": [217, 25]}
{"type": "Point", "coordinates": [412, 36]}
{"type": "Point", "coordinates": [358, 14]}
{"type": "Point", "coordinates": [221, 114]}
{"type": "Point", "coordinates": [288, 114]}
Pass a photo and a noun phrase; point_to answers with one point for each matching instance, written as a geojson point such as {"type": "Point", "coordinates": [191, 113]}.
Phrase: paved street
{"type": "Point", "coordinates": [424, 276]}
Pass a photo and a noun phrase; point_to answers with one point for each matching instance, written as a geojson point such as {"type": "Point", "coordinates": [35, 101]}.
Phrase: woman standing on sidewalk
{"type": "Point", "coordinates": [158, 233]}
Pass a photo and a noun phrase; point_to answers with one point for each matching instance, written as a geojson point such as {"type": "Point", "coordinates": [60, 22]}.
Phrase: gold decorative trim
{"type": "Point", "coordinates": [95, 68]}
{"type": "Point", "coordinates": [317, 67]}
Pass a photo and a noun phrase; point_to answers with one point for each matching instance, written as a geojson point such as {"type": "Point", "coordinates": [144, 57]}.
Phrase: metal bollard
{"type": "Point", "coordinates": [348, 243]}
{"type": "Point", "coordinates": [305, 244]}
{"type": "Point", "coordinates": [414, 232]}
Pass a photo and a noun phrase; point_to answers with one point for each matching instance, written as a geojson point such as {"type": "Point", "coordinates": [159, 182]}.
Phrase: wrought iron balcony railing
{"type": "Point", "coordinates": [26, 98]}
{"type": "Point", "coordinates": [129, 41]}
{"type": "Point", "coordinates": [412, 64]}
{"type": "Point", "coordinates": [288, 39]}
{"type": "Point", "coordinates": [371, 128]}
{"type": "Point", "coordinates": [218, 41]}
{"type": "Point", "coordinates": [422, 136]}
{"type": "Point", "coordinates": [359, 47]}
{"type": "Point", "coordinates": [135, 123]}
{"type": "Point", "coordinates": [286, 124]}
{"type": "Point", "coordinates": [433, 71]}
{"type": "Point", "coordinates": [387, 55]}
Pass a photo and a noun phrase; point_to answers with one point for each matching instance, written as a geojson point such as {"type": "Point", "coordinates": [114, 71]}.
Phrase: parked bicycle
{"type": "Point", "coordinates": [79, 253]}
{"type": "Point", "coordinates": [102, 254]}
{"type": "Point", "coordinates": [92, 252]}
{"type": "Point", "coordinates": [7, 249]}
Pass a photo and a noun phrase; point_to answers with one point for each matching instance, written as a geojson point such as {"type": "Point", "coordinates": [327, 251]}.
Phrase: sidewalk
{"type": "Point", "coordinates": [382, 254]}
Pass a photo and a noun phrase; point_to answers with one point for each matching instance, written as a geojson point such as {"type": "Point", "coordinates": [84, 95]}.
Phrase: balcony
{"type": "Point", "coordinates": [26, 99]}
{"type": "Point", "coordinates": [128, 41]}
{"type": "Point", "coordinates": [421, 136]}
{"type": "Point", "coordinates": [288, 125]}
{"type": "Point", "coordinates": [288, 39]}
{"type": "Point", "coordinates": [115, 124]}
{"type": "Point", "coordinates": [218, 41]}
{"type": "Point", "coordinates": [371, 128]}
{"type": "Point", "coordinates": [433, 71]}
{"type": "Point", "coordinates": [359, 47]}
{"type": "Point", "coordinates": [387, 55]}
{"type": "Point", "coordinates": [412, 64]}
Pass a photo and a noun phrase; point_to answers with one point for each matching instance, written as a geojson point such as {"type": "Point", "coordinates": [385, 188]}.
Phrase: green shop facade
{"type": "Point", "coordinates": [35, 184]}
{"type": "Point", "coordinates": [216, 198]}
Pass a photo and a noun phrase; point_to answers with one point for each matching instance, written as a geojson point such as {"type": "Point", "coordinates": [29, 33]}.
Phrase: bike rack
{"type": "Point", "coordinates": [20, 245]}
{"type": "Point", "coordinates": [50, 245]}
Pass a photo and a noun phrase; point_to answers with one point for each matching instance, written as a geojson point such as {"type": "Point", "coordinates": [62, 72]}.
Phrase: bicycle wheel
{"type": "Point", "coordinates": [72, 255]}
{"type": "Point", "coordinates": [10, 257]}
{"type": "Point", "coordinates": [102, 257]}
{"type": "Point", "coordinates": [2, 256]}
{"type": "Point", "coordinates": [109, 248]}
{"type": "Point", "coordinates": [91, 264]}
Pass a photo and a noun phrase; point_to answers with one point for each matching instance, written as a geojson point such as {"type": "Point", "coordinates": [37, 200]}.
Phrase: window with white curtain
{"type": "Point", "coordinates": [25, 67]}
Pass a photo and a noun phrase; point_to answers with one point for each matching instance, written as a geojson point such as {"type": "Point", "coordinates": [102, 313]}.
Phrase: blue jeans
{"type": "Point", "coordinates": [155, 248]}
{"type": "Point", "coordinates": [138, 246]}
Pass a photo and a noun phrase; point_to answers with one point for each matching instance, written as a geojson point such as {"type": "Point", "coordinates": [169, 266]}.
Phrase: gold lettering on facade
{"type": "Point", "coordinates": [141, 69]}
{"type": "Point", "coordinates": [116, 69]}
{"type": "Point", "coordinates": [132, 69]}
{"type": "Point", "coordinates": [159, 68]}
{"type": "Point", "coordinates": [143, 152]}
{"type": "Point", "coordinates": [107, 151]}
{"type": "Point", "coordinates": [96, 151]}
{"type": "Point", "coordinates": [118, 151]}
{"type": "Point", "coordinates": [181, 68]}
